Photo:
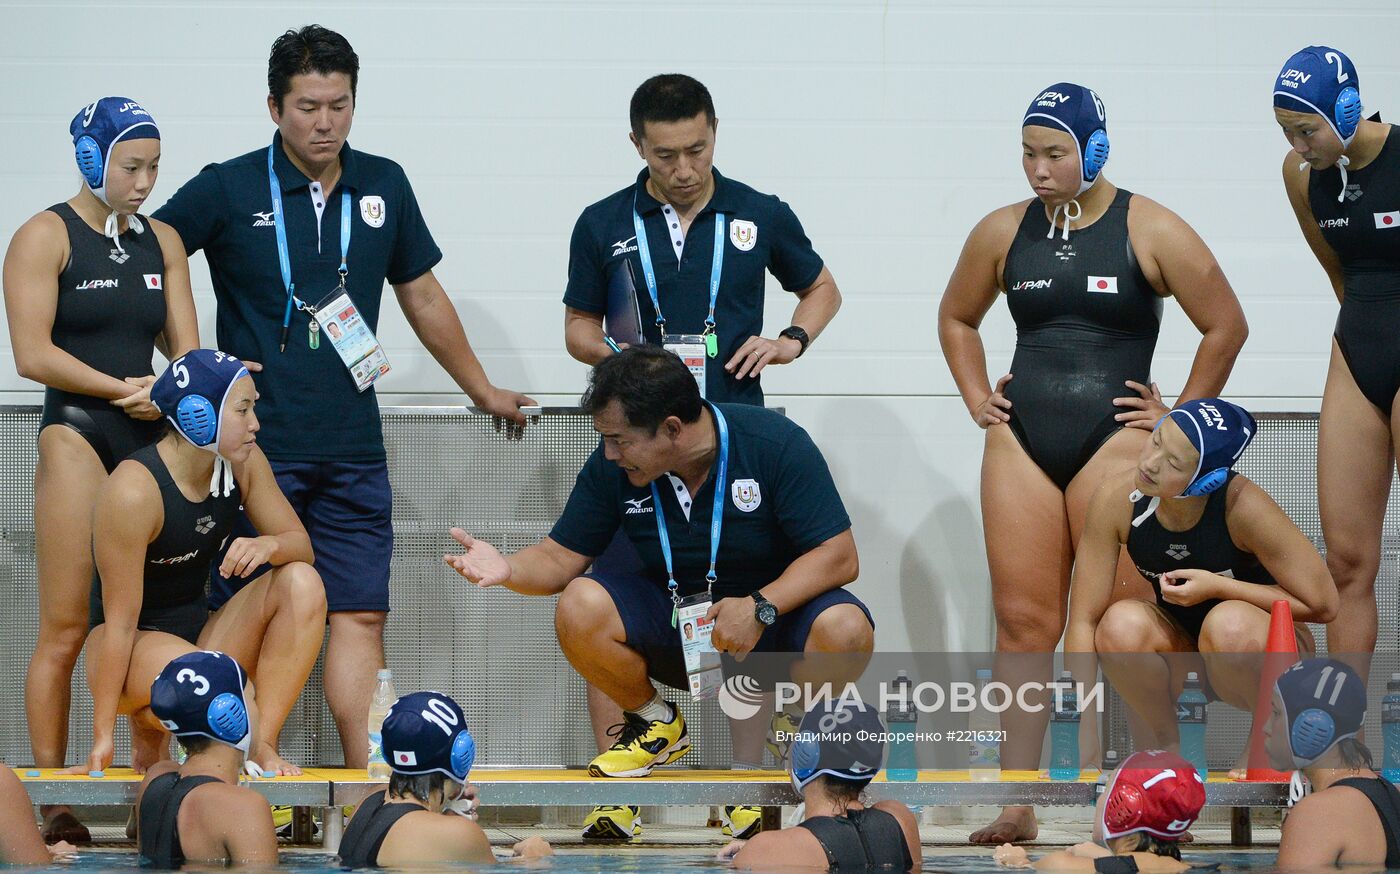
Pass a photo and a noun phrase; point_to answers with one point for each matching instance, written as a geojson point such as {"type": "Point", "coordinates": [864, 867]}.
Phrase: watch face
{"type": "Point", "coordinates": [767, 613]}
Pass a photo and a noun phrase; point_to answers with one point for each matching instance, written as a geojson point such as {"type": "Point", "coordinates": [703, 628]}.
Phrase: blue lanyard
{"type": "Point", "coordinates": [716, 517]}
{"type": "Point", "coordinates": [284, 260]}
{"type": "Point", "coordinates": [716, 267]}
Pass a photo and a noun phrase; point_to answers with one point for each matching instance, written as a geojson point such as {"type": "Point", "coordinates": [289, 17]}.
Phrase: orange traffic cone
{"type": "Point", "coordinates": [1280, 653]}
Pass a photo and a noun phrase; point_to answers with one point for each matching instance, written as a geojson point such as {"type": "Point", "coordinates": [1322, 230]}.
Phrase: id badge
{"type": "Point", "coordinates": [690, 348]}
{"type": "Point", "coordinates": [354, 342]}
{"type": "Point", "coordinates": [702, 664]}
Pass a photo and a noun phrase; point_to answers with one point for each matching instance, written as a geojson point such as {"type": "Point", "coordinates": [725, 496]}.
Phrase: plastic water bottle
{"type": "Point", "coordinates": [384, 698]}
{"type": "Point", "coordinates": [1390, 729]}
{"type": "Point", "coordinates": [1064, 732]}
{"type": "Point", "coordinates": [984, 752]}
{"type": "Point", "coordinates": [1191, 724]}
{"type": "Point", "coordinates": [902, 720]}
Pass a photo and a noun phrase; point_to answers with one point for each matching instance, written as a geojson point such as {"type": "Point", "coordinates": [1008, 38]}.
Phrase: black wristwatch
{"type": "Point", "coordinates": [764, 610]}
{"type": "Point", "coordinates": [795, 333]}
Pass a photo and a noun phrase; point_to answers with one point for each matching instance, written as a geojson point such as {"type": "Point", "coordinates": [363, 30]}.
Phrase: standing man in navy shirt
{"type": "Point", "coordinates": [302, 223]}
{"type": "Point", "coordinates": [710, 241]}
{"type": "Point", "coordinates": [771, 575]}
{"type": "Point", "coordinates": [616, 286]}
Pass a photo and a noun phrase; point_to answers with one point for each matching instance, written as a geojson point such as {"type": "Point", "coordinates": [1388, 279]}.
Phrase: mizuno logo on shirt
{"type": "Point", "coordinates": [634, 506]}
{"type": "Point", "coordinates": [1031, 284]}
{"type": "Point", "coordinates": [96, 283]}
{"type": "Point", "coordinates": [622, 247]}
{"type": "Point", "coordinates": [1103, 284]}
{"type": "Point", "coordinates": [263, 220]}
{"type": "Point", "coordinates": [1388, 220]}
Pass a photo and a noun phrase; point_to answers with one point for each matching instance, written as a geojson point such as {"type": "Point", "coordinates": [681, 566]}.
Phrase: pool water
{"type": "Point", "coordinates": [624, 861]}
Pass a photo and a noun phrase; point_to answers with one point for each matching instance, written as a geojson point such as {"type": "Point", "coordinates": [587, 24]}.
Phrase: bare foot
{"type": "Point", "coordinates": [1015, 824]}
{"type": "Point", "coordinates": [61, 825]}
{"type": "Point", "coordinates": [266, 756]}
{"type": "Point", "coordinates": [148, 746]}
{"type": "Point", "coordinates": [1241, 769]}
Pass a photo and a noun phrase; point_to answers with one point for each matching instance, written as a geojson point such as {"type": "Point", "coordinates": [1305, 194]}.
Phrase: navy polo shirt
{"type": "Point", "coordinates": [780, 502]}
{"type": "Point", "coordinates": [604, 236]}
{"type": "Point", "coordinates": [308, 405]}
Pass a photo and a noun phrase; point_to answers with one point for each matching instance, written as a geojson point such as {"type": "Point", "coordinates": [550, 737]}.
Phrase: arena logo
{"type": "Point", "coordinates": [741, 696]}
{"type": "Point", "coordinates": [1051, 99]}
{"type": "Point", "coordinates": [1032, 284]}
{"type": "Point", "coordinates": [1292, 78]}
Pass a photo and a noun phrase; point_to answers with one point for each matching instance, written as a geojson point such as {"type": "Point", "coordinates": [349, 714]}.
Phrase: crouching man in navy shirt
{"type": "Point", "coordinates": [774, 562]}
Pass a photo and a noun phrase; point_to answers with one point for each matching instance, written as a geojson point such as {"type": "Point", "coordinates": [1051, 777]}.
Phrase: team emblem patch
{"type": "Point", "coordinates": [406, 758]}
{"type": "Point", "coordinates": [743, 234]}
{"type": "Point", "coordinates": [747, 496]}
{"type": "Point", "coordinates": [153, 281]}
{"type": "Point", "coordinates": [372, 210]}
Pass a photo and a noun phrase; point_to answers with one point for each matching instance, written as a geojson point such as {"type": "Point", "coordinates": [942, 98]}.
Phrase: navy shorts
{"type": "Point", "coordinates": [645, 608]}
{"type": "Point", "coordinates": [347, 508]}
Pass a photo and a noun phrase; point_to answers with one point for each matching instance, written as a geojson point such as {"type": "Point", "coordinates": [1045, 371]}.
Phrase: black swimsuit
{"type": "Point", "coordinates": [1364, 231]}
{"type": "Point", "coordinates": [1386, 800]}
{"type": "Point", "coordinates": [159, 838]}
{"type": "Point", "coordinates": [1086, 321]}
{"type": "Point", "coordinates": [862, 839]}
{"type": "Point", "coordinates": [365, 834]}
{"type": "Point", "coordinates": [111, 308]}
{"type": "Point", "coordinates": [1206, 545]}
{"type": "Point", "coordinates": [176, 569]}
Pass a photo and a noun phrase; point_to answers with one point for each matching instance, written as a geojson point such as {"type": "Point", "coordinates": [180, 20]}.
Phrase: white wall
{"type": "Point", "coordinates": [890, 127]}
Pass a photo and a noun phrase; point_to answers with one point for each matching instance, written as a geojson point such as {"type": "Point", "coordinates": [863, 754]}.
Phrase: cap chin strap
{"type": "Point", "coordinates": [1342, 164]}
{"type": "Point", "coordinates": [113, 226]}
{"type": "Point", "coordinates": [1152, 505]}
{"type": "Point", "coordinates": [1070, 216]}
{"type": "Point", "coordinates": [1298, 787]}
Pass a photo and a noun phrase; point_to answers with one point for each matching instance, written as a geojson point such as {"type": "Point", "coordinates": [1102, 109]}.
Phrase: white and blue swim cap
{"type": "Point", "coordinates": [1322, 81]}
{"type": "Point", "coordinates": [1078, 111]}
{"type": "Point", "coordinates": [101, 125]}
{"type": "Point", "coordinates": [191, 394]}
{"type": "Point", "coordinates": [1220, 431]}
{"type": "Point", "coordinates": [1324, 703]}
{"type": "Point", "coordinates": [426, 733]}
{"type": "Point", "coordinates": [202, 694]}
{"type": "Point", "coordinates": [843, 739]}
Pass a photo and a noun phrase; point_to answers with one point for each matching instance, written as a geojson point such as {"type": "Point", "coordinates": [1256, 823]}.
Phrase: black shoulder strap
{"type": "Point", "coordinates": [880, 835]}
{"type": "Point", "coordinates": [839, 841]}
{"type": "Point", "coordinates": [1385, 798]}
{"type": "Point", "coordinates": [159, 837]}
{"type": "Point", "coordinates": [359, 848]}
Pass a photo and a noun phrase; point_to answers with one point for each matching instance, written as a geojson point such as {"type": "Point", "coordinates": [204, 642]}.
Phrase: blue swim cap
{"type": "Point", "coordinates": [1220, 431]}
{"type": "Point", "coordinates": [426, 733]}
{"type": "Point", "coordinates": [101, 125]}
{"type": "Point", "coordinates": [841, 738]}
{"type": "Point", "coordinates": [1079, 111]}
{"type": "Point", "coordinates": [1324, 703]}
{"type": "Point", "coordinates": [201, 694]}
{"type": "Point", "coordinates": [1322, 81]}
{"type": "Point", "coordinates": [191, 393]}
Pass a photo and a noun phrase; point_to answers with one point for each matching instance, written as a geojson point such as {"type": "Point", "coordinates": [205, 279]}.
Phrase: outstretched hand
{"type": "Point", "coordinates": [480, 563]}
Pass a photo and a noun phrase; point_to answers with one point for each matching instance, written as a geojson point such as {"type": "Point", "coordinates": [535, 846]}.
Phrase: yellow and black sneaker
{"type": "Point", "coordinates": [613, 823]}
{"type": "Point", "coordinates": [784, 726]}
{"type": "Point", "coordinates": [642, 745]}
{"type": "Point", "coordinates": [741, 821]}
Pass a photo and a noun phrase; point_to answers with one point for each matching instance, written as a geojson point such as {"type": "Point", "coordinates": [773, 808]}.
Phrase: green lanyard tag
{"type": "Point", "coordinates": [712, 345]}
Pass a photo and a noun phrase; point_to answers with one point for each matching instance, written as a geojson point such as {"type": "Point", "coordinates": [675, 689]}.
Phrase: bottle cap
{"type": "Point", "coordinates": [385, 674]}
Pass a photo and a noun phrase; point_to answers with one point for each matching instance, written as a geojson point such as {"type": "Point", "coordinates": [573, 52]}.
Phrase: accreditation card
{"type": "Point", "coordinates": [702, 664]}
{"type": "Point", "coordinates": [354, 342]}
